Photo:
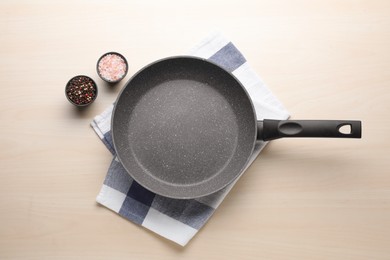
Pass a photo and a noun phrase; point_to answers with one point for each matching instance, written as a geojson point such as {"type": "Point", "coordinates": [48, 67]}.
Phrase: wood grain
{"type": "Point", "coordinates": [301, 199]}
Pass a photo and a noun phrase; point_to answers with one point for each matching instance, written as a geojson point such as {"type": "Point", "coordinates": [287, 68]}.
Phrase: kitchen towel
{"type": "Point", "coordinates": [175, 219]}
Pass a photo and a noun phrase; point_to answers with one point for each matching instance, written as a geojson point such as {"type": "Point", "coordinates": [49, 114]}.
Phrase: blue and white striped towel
{"type": "Point", "coordinates": [180, 220]}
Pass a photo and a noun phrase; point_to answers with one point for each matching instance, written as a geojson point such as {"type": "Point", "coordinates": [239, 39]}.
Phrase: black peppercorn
{"type": "Point", "coordinates": [81, 90]}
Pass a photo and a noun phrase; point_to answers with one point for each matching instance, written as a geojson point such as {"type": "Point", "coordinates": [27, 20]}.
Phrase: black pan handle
{"type": "Point", "coordinates": [269, 129]}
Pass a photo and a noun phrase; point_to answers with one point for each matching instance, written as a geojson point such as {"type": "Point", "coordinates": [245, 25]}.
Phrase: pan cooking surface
{"type": "Point", "coordinates": [189, 121]}
{"type": "Point", "coordinates": [183, 127]}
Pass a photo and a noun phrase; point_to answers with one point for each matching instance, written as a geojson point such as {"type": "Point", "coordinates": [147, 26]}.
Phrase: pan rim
{"type": "Point", "coordinates": [183, 194]}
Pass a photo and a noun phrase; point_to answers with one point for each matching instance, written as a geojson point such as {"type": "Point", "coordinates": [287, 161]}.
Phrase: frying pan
{"type": "Point", "coordinates": [183, 127]}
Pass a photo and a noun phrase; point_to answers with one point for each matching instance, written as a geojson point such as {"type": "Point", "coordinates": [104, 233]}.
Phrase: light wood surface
{"type": "Point", "coordinates": [301, 199]}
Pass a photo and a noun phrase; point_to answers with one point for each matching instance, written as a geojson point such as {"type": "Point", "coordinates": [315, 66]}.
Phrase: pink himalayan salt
{"type": "Point", "coordinates": [112, 67]}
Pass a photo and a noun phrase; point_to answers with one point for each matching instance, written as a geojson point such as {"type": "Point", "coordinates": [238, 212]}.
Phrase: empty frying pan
{"type": "Point", "coordinates": [184, 127]}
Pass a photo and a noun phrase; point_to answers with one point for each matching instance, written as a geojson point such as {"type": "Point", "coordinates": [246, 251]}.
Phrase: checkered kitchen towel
{"type": "Point", "coordinates": [174, 219]}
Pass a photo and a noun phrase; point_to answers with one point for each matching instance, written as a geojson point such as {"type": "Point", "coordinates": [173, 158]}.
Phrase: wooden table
{"type": "Point", "coordinates": [301, 199]}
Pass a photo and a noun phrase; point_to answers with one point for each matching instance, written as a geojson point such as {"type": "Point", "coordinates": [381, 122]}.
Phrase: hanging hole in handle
{"type": "Point", "coordinates": [345, 129]}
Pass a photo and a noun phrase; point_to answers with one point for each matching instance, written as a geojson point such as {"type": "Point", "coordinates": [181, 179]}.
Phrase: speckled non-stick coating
{"type": "Point", "coordinates": [184, 127]}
